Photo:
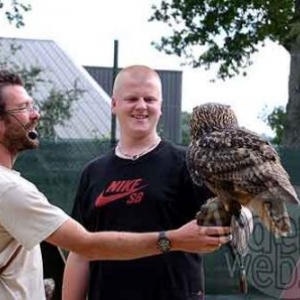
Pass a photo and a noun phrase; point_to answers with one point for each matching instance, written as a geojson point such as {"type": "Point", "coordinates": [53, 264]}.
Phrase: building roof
{"type": "Point", "coordinates": [91, 115]}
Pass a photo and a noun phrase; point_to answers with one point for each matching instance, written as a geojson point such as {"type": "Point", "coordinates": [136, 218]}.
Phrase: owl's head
{"type": "Point", "coordinates": [210, 117]}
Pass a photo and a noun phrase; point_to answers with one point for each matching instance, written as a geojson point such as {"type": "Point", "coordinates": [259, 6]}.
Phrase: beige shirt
{"type": "Point", "coordinates": [26, 218]}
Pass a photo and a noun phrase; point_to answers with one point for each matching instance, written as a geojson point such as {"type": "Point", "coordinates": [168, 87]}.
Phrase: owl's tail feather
{"type": "Point", "coordinates": [276, 181]}
{"type": "Point", "coordinates": [274, 215]}
{"type": "Point", "coordinates": [281, 186]}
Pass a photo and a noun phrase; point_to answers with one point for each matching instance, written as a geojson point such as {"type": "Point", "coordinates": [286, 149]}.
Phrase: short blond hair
{"type": "Point", "coordinates": [140, 72]}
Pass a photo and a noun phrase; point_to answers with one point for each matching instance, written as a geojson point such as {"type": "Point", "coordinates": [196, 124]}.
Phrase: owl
{"type": "Point", "coordinates": [239, 167]}
{"type": "Point", "coordinates": [242, 170]}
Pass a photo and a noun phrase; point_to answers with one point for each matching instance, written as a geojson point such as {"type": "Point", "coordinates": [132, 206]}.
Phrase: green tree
{"type": "Point", "coordinates": [185, 127]}
{"type": "Point", "coordinates": [14, 10]}
{"type": "Point", "coordinates": [56, 106]}
{"type": "Point", "coordinates": [276, 121]}
{"type": "Point", "coordinates": [57, 109]}
{"type": "Point", "coordinates": [228, 32]}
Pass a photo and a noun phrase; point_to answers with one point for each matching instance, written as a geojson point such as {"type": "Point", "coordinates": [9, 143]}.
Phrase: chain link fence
{"type": "Point", "coordinates": [56, 166]}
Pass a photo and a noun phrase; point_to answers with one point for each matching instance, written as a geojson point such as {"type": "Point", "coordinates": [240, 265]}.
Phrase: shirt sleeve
{"type": "Point", "coordinates": [28, 216]}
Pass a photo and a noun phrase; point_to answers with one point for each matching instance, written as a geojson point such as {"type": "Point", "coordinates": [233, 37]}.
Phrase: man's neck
{"type": "Point", "coordinates": [138, 142]}
{"type": "Point", "coordinates": [7, 158]}
{"type": "Point", "coordinates": [133, 146]}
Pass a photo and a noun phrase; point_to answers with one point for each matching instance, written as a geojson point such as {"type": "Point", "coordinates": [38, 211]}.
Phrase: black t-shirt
{"type": "Point", "coordinates": [152, 193]}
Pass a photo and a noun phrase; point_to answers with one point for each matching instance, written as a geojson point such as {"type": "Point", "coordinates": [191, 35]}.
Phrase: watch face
{"type": "Point", "coordinates": [163, 243]}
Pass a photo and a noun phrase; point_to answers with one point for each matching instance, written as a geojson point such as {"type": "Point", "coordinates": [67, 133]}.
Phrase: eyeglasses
{"type": "Point", "coordinates": [30, 109]}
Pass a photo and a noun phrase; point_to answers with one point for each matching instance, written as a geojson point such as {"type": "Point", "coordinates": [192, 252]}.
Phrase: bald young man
{"type": "Point", "coordinates": [142, 185]}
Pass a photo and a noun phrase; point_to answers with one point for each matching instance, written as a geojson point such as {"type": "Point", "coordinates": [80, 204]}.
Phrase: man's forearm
{"type": "Point", "coordinates": [121, 245]}
{"type": "Point", "coordinates": [76, 278]}
{"type": "Point", "coordinates": [125, 245]}
{"type": "Point", "coordinates": [107, 245]}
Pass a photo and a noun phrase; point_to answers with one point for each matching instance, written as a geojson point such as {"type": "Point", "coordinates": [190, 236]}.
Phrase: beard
{"type": "Point", "coordinates": [16, 138]}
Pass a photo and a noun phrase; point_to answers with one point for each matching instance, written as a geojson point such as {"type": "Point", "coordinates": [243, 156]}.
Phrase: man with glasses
{"type": "Point", "coordinates": [27, 218]}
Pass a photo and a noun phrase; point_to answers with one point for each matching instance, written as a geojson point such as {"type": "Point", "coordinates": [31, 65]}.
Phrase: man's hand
{"type": "Point", "coordinates": [200, 239]}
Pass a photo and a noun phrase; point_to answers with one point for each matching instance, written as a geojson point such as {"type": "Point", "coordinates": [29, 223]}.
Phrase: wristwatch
{"type": "Point", "coordinates": [163, 243]}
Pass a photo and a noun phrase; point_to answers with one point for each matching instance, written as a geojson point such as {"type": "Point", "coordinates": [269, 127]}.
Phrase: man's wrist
{"type": "Point", "coordinates": [176, 239]}
{"type": "Point", "coordinates": [164, 244]}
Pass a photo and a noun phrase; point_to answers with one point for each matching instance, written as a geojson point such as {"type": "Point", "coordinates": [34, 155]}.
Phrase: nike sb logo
{"type": "Point", "coordinates": [120, 189]}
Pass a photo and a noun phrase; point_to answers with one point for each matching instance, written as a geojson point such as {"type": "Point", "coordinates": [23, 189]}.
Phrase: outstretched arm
{"type": "Point", "coordinates": [124, 245]}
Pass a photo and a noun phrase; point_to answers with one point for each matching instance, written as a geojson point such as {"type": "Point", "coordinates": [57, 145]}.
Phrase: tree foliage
{"type": "Point", "coordinates": [56, 106]}
{"type": "Point", "coordinates": [57, 109]}
{"type": "Point", "coordinates": [226, 32]}
{"type": "Point", "coordinates": [276, 120]}
{"type": "Point", "coordinates": [13, 10]}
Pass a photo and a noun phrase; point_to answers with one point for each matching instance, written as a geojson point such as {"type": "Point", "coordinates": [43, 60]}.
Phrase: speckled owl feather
{"type": "Point", "coordinates": [239, 166]}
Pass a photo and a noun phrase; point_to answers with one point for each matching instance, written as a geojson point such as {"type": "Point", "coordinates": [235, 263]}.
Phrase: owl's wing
{"type": "Point", "coordinates": [242, 158]}
{"type": "Point", "coordinates": [192, 167]}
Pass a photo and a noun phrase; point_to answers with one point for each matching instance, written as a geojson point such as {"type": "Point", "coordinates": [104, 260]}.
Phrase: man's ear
{"type": "Point", "coordinates": [113, 105]}
{"type": "Point", "coordinates": [160, 108]}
